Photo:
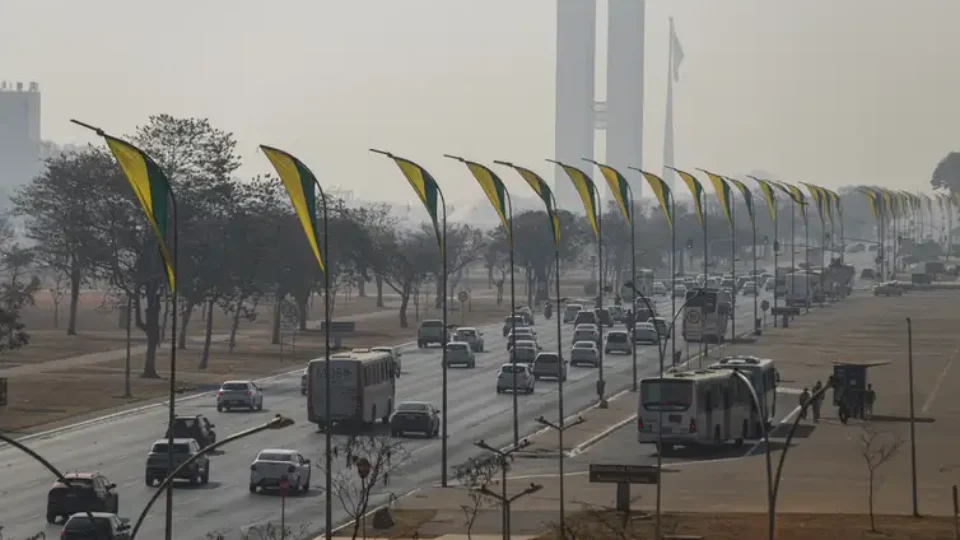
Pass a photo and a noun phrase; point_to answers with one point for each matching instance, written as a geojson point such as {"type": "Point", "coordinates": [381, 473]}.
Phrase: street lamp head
{"type": "Point", "coordinates": [504, 163]}
{"type": "Point", "coordinates": [280, 422]}
{"type": "Point", "coordinates": [457, 158]}
{"type": "Point", "coordinates": [382, 152]}
{"type": "Point", "coordinates": [543, 421]}
{"type": "Point", "coordinates": [555, 162]}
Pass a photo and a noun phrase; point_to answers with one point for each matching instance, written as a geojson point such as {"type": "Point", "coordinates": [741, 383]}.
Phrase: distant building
{"type": "Point", "coordinates": [19, 136]}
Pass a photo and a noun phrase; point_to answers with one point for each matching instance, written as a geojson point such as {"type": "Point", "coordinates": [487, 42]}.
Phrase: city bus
{"type": "Point", "coordinates": [697, 408]}
{"type": "Point", "coordinates": [705, 315]}
{"type": "Point", "coordinates": [363, 388]}
{"type": "Point", "coordinates": [763, 376]}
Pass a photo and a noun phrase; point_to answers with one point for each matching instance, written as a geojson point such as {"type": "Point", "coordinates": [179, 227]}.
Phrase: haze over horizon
{"type": "Point", "coordinates": [831, 93]}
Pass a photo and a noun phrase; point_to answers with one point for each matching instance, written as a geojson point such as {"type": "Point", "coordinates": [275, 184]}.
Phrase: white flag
{"type": "Point", "coordinates": [676, 50]}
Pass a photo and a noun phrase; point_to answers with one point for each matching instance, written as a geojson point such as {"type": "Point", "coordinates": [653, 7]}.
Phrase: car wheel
{"type": "Point", "coordinates": [260, 405]}
{"type": "Point", "coordinates": [149, 481]}
{"type": "Point", "coordinates": [219, 407]}
{"type": "Point", "coordinates": [253, 488]}
{"type": "Point", "coordinates": [205, 479]}
{"type": "Point", "coordinates": [51, 518]}
{"type": "Point", "coordinates": [252, 407]}
{"type": "Point", "coordinates": [306, 485]}
{"type": "Point", "coordinates": [473, 364]}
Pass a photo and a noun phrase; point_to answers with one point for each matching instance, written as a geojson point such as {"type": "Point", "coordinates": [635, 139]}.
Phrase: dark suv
{"type": "Point", "coordinates": [159, 465]}
{"type": "Point", "coordinates": [86, 492]}
{"type": "Point", "coordinates": [195, 427]}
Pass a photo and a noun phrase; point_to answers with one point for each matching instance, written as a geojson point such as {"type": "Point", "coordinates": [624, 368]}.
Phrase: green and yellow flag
{"type": "Point", "coordinates": [663, 193]}
{"type": "Point", "coordinates": [542, 189]}
{"type": "Point", "coordinates": [152, 188]}
{"type": "Point", "coordinates": [875, 198]}
{"type": "Point", "coordinates": [427, 190]}
{"type": "Point", "coordinates": [835, 199]}
{"type": "Point", "coordinates": [724, 195]}
{"type": "Point", "coordinates": [769, 195]}
{"type": "Point", "coordinates": [747, 197]}
{"type": "Point", "coordinates": [696, 189]}
{"type": "Point", "coordinates": [299, 182]}
{"type": "Point", "coordinates": [588, 194]}
{"type": "Point", "coordinates": [818, 198]}
{"type": "Point", "coordinates": [797, 196]}
{"type": "Point", "coordinates": [496, 193]}
{"type": "Point", "coordinates": [620, 189]}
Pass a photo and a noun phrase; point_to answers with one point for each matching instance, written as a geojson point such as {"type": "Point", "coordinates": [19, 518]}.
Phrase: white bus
{"type": "Point", "coordinates": [363, 384]}
{"type": "Point", "coordinates": [698, 408]}
{"type": "Point", "coordinates": [705, 315]}
{"type": "Point", "coordinates": [763, 377]}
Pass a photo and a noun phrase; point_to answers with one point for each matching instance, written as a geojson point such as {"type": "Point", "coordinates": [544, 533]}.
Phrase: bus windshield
{"type": "Point", "coordinates": [666, 395]}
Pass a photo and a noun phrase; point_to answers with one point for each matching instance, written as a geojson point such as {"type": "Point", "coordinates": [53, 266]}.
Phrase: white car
{"type": "Point", "coordinates": [303, 382]}
{"type": "Point", "coordinates": [585, 352]}
{"type": "Point", "coordinates": [470, 335]}
{"type": "Point", "coordinates": [618, 341]}
{"type": "Point", "coordinates": [586, 332]}
{"type": "Point", "coordinates": [525, 381]}
{"type": "Point", "coordinates": [570, 312]}
{"type": "Point", "coordinates": [522, 334]}
{"type": "Point", "coordinates": [659, 288]}
{"type": "Point", "coordinates": [239, 394]}
{"type": "Point", "coordinates": [460, 353]}
{"type": "Point", "coordinates": [274, 465]}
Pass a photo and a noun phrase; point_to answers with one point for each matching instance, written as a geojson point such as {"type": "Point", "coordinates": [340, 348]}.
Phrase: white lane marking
{"type": "Point", "coordinates": [936, 387]}
{"type": "Point", "coordinates": [131, 483]}
{"type": "Point", "coordinates": [785, 420]}
{"type": "Point", "coordinates": [188, 501]}
{"type": "Point", "coordinates": [593, 440]}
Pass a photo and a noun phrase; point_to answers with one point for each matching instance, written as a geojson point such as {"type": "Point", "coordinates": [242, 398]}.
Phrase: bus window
{"type": "Point", "coordinates": [666, 395]}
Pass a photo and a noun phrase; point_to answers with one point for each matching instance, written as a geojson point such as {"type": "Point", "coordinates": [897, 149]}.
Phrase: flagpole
{"type": "Point", "coordinates": [559, 316]}
{"type": "Point", "coordinates": [673, 274]}
{"type": "Point", "coordinates": [668, 118]}
{"type": "Point", "coordinates": [706, 277]}
{"type": "Point", "coordinates": [327, 436]}
{"type": "Point", "coordinates": [601, 402]}
{"type": "Point", "coordinates": [633, 277]}
{"type": "Point", "coordinates": [172, 405]}
{"type": "Point", "coordinates": [733, 267]}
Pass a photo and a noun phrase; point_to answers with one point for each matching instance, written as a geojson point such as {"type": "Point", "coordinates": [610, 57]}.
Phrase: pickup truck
{"type": "Point", "coordinates": [159, 465]}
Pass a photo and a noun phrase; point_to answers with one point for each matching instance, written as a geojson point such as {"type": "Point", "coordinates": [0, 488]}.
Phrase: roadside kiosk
{"type": "Point", "coordinates": [851, 383]}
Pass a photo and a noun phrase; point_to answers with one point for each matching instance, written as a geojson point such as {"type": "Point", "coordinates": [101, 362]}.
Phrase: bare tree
{"type": "Point", "coordinates": [57, 289]}
{"type": "Point", "coordinates": [597, 522]}
{"type": "Point", "coordinates": [475, 475]}
{"type": "Point", "coordinates": [877, 448]}
{"type": "Point", "coordinates": [370, 462]}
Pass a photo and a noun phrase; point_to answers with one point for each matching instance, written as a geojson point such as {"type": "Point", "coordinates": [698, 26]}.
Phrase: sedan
{"type": "Point", "coordinates": [749, 288]}
{"type": "Point", "coordinates": [586, 332]}
{"type": "Point", "coordinates": [526, 351]}
{"type": "Point", "coordinates": [245, 394]}
{"type": "Point", "coordinates": [585, 352]}
{"type": "Point", "coordinates": [645, 333]}
{"type": "Point", "coordinates": [889, 288]}
{"type": "Point", "coordinates": [415, 416]}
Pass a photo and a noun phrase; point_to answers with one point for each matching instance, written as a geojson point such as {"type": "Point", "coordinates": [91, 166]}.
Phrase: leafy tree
{"type": "Point", "coordinates": [372, 257]}
{"type": "Point", "coordinates": [947, 173]}
{"type": "Point", "coordinates": [410, 258]}
{"type": "Point", "coordinates": [16, 291]}
{"type": "Point", "coordinates": [60, 210]}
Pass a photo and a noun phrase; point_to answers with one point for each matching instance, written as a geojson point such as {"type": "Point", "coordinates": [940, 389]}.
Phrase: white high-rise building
{"type": "Point", "coordinates": [19, 136]}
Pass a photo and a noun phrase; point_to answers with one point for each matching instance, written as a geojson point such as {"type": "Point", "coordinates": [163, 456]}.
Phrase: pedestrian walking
{"type": "Point", "coordinates": [804, 398]}
{"type": "Point", "coordinates": [817, 401]}
{"type": "Point", "coordinates": [843, 411]}
{"type": "Point", "coordinates": [869, 398]}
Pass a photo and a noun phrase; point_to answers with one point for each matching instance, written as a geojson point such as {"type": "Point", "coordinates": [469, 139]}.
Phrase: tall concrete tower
{"type": "Point", "coordinates": [19, 136]}
{"type": "Point", "coordinates": [576, 53]}
{"type": "Point", "coordinates": [578, 113]}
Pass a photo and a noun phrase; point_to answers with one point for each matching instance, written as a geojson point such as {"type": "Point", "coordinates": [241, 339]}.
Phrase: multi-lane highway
{"type": "Point", "coordinates": [117, 447]}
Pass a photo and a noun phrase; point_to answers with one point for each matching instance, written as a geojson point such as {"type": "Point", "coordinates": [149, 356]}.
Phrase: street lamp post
{"type": "Point", "coordinates": [560, 428]}
{"type": "Point", "coordinates": [762, 410]}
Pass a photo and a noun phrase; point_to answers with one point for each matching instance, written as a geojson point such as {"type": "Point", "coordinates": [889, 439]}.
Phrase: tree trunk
{"type": "Point", "coordinates": [404, 300]}
{"type": "Point", "coordinates": [74, 298]}
{"type": "Point", "coordinates": [440, 292]}
{"type": "Point", "coordinates": [873, 525]}
{"type": "Point", "coordinates": [56, 313]}
{"type": "Point", "coordinates": [186, 315]}
{"type": "Point", "coordinates": [302, 312]}
{"type": "Point", "coordinates": [166, 317]}
{"type": "Point", "coordinates": [490, 277]}
{"type": "Point", "coordinates": [209, 334]}
{"type": "Point", "coordinates": [275, 324]}
{"type": "Point", "coordinates": [151, 327]}
{"type": "Point", "coordinates": [361, 287]}
{"type": "Point", "coordinates": [379, 281]}
{"type": "Point", "coordinates": [235, 325]}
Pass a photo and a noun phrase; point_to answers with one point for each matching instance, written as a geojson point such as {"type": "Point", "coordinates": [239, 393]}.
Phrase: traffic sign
{"type": "Point", "coordinates": [624, 474]}
{"type": "Point", "coordinates": [765, 305]}
{"type": "Point", "coordinates": [693, 316]}
{"type": "Point", "coordinates": [284, 484]}
{"type": "Point", "coordinates": [463, 296]}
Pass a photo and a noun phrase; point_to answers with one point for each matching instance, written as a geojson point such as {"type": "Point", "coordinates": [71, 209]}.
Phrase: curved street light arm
{"type": "Point", "coordinates": [793, 429]}
{"type": "Point", "coordinates": [670, 329]}
{"type": "Point", "coordinates": [762, 411]}
{"type": "Point", "coordinates": [278, 422]}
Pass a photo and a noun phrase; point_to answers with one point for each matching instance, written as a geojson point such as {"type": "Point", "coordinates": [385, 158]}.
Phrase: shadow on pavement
{"type": "Point", "coordinates": [898, 419]}
{"type": "Point", "coordinates": [803, 431]}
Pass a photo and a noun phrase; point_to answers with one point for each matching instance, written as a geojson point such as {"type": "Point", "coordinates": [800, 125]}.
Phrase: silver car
{"type": "Point", "coordinates": [239, 394]}
{"type": "Point", "coordinates": [618, 341]}
{"type": "Point", "coordinates": [586, 332]}
{"type": "Point", "coordinates": [585, 352]}
{"type": "Point", "coordinates": [526, 351]}
{"type": "Point", "coordinates": [549, 364]}
{"type": "Point", "coordinates": [470, 335]}
{"type": "Point", "coordinates": [521, 373]}
{"type": "Point", "coordinates": [460, 353]}
{"type": "Point", "coordinates": [271, 467]}
{"type": "Point", "coordinates": [522, 334]}
{"type": "Point", "coordinates": [645, 332]}
{"type": "Point", "coordinates": [570, 312]}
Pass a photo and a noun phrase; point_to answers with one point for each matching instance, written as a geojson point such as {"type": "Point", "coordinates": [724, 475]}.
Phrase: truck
{"type": "Point", "coordinates": [801, 288]}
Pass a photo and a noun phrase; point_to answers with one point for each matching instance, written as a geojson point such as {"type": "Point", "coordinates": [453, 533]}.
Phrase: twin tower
{"type": "Point", "coordinates": [579, 114]}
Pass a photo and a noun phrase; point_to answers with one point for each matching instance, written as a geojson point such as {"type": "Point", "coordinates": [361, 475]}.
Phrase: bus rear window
{"type": "Point", "coordinates": [666, 395]}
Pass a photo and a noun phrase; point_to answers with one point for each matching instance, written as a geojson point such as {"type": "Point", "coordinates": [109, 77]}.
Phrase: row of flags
{"type": "Point", "coordinates": [153, 191]}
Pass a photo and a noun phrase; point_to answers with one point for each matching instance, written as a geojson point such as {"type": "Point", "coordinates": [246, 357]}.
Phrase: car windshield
{"type": "Point", "coordinates": [274, 456]}
{"type": "Point", "coordinates": [178, 448]}
{"type": "Point", "coordinates": [234, 386]}
{"type": "Point", "coordinates": [82, 523]}
{"type": "Point", "coordinates": [584, 345]}
{"type": "Point", "coordinates": [526, 345]}
{"type": "Point", "coordinates": [512, 369]}
{"type": "Point", "coordinates": [616, 337]}
{"type": "Point", "coordinates": [80, 482]}
{"type": "Point", "coordinates": [547, 358]}
{"type": "Point", "coordinates": [456, 346]}
{"type": "Point", "coordinates": [574, 308]}
{"type": "Point", "coordinates": [517, 319]}
{"type": "Point", "coordinates": [432, 324]}
{"type": "Point", "coordinates": [419, 407]}
{"type": "Point", "coordinates": [466, 333]}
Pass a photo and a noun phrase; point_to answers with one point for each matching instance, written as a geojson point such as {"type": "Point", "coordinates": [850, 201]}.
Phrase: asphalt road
{"type": "Point", "coordinates": [117, 448]}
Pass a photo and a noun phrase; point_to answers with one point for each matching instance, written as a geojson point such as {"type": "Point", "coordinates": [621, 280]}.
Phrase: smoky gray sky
{"type": "Point", "coordinates": [858, 91]}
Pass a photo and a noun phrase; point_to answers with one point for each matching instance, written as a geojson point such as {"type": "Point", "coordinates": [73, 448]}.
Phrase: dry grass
{"type": "Point", "coordinates": [754, 527]}
{"type": "Point", "coordinates": [407, 523]}
{"type": "Point", "coordinates": [54, 394]}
